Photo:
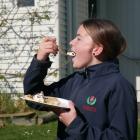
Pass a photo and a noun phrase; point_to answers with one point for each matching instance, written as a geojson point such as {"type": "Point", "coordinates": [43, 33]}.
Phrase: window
{"type": "Point", "coordinates": [92, 8]}
{"type": "Point", "coordinates": [24, 3]}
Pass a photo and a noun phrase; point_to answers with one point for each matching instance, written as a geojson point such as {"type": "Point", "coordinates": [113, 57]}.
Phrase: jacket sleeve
{"type": "Point", "coordinates": [34, 81]}
{"type": "Point", "coordinates": [122, 115]}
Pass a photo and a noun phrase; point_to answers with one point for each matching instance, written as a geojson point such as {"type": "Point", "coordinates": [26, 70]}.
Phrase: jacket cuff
{"type": "Point", "coordinates": [38, 63]}
{"type": "Point", "coordinates": [76, 126]}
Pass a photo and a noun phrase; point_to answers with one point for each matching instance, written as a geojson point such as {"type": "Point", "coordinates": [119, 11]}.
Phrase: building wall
{"type": "Point", "coordinates": [126, 15]}
{"type": "Point", "coordinates": [21, 29]}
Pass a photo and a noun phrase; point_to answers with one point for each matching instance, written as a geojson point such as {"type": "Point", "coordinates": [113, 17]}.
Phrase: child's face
{"type": "Point", "coordinates": [82, 45]}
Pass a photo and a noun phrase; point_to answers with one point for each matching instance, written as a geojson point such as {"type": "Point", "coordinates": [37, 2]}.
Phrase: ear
{"type": "Point", "coordinates": [97, 50]}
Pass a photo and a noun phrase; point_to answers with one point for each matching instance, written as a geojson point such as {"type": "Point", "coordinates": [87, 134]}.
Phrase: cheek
{"type": "Point", "coordinates": [85, 53]}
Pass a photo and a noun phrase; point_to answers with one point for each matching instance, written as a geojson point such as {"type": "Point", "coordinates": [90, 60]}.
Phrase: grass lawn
{"type": "Point", "coordinates": [36, 132]}
{"type": "Point", "coordinates": [42, 132]}
{"type": "Point", "coordinates": [138, 131]}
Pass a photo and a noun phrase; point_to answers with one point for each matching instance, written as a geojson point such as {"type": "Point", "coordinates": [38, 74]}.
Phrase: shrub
{"type": "Point", "coordinates": [11, 103]}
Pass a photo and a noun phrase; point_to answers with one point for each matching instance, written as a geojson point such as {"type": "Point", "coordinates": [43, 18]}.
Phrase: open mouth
{"type": "Point", "coordinates": [71, 53]}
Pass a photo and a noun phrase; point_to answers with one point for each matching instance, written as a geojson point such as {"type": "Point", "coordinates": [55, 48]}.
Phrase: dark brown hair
{"type": "Point", "coordinates": [105, 32]}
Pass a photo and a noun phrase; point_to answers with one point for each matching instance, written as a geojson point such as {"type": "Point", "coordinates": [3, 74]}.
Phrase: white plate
{"type": "Point", "coordinates": [51, 102]}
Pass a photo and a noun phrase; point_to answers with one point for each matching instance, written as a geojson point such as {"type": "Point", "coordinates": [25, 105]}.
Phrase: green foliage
{"type": "Point", "coordinates": [2, 77]}
{"type": "Point", "coordinates": [138, 138]}
{"type": "Point", "coordinates": [36, 17]}
{"type": "Point", "coordinates": [3, 22]}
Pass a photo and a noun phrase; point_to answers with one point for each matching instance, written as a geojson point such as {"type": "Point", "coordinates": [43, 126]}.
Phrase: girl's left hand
{"type": "Point", "coordinates": [67, 117]}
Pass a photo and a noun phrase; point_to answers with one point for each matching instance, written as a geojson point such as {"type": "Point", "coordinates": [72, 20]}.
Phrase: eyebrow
{"type": "Point", "coordinates": [79, 35]}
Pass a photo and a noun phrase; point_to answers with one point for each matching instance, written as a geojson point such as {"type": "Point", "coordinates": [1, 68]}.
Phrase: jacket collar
{"type": "Point", "coordinates": [107, 67]}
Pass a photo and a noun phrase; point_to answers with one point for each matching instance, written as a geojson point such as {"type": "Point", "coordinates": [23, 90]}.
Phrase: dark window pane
{"type": "Point", "coordinates": [92, 8]}
{"type": "Point", "coordinates": [24, 3]}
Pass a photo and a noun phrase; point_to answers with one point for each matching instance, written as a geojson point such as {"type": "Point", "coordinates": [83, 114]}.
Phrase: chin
{"type": "Point", "coordinates": [78, 66]}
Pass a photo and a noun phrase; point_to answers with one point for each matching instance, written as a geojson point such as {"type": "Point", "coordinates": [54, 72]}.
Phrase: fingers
{"type": "Point", "coordinates": [47, 46]}
{"type": "Point", "coordinates": [67, 117]}
{"type": "Point", "coordinates": [60, 118]}
{"type": "Point", "coordinates": [47, 38]}
{"type": "Point", "coordinates": [71, 104]}
{"type": "Point", "coordinates": [50, 46]}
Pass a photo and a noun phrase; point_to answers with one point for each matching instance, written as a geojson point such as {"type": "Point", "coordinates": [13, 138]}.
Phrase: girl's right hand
{"type": "Point", "coordinates": [47, 46]}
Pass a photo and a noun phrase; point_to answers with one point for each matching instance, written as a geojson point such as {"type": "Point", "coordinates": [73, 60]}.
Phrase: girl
{"type": "Point", "coordinates": [102, 102]}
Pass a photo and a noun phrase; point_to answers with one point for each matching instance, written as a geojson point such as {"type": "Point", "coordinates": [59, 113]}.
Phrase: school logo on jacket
{"type": "Point", "coordinates": [91, 100]}
{"type": "Point", "coordinates": [90, 104]}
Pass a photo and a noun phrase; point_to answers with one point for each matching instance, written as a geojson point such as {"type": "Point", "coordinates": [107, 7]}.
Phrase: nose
{"type": "Point", "coordinates": [71, 42]}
